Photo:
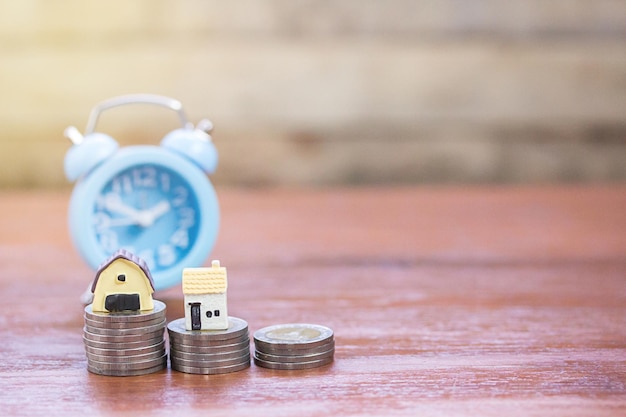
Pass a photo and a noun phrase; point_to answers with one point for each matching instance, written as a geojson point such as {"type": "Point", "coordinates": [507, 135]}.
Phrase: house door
{"type": "Point", "coordinates": [122, 302]}
{"type": "Point", "coordinates": [195, 316]}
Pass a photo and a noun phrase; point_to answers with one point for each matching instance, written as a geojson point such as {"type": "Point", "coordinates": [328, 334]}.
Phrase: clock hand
{"type": "Point", "coordinates": [103, 221]}
{"type": "Point", "coordinates": [114, 204]}
{"type": "Point", "coordinates": [159, 210]}
{"type": "Point", "coordinates": [144, 218]}
{"type": "Point", "coordinates": [124, 221]}
{"type": "Point", "coordinates": [147, 217]}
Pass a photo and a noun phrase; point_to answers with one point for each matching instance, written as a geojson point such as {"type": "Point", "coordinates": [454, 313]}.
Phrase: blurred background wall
{"type": "Point", "coordinates": [327, 92]}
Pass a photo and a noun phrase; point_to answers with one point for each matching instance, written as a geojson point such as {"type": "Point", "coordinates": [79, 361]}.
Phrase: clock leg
{"type": "Point", "coordinates": [87, 296]}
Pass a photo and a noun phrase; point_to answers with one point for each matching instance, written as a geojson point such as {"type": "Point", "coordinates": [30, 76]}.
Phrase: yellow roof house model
{"type": "Point", "coordinates": [204, 290]}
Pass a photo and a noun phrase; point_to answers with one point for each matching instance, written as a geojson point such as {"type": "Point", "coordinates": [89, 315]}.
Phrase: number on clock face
{"type": "Point", "coordinates": [149, 210]}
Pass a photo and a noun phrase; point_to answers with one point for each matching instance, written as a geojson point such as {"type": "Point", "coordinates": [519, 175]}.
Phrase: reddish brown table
{"type": "Point", "coordinates": [444, 301]}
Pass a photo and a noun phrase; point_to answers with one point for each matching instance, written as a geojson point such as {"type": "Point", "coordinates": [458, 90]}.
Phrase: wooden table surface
{"type": "Point", "coordinates": [444, 302]}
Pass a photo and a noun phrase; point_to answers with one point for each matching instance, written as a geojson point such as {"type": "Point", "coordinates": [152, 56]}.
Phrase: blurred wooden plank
{"type": "Point", "coordinates": [374, 154]}
{"type": "Point", "coordinates": [326, 83]}
{"type": "Point", "coordinates": [457, 153]}
{"type": "Point", "coordinates": [284, 18]}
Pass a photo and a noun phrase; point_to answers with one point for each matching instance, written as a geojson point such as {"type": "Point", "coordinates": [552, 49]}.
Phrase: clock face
{"type": "Point", "coordinates": [149, 210]}
{"type": "Point", "coordinates": [150, 201]}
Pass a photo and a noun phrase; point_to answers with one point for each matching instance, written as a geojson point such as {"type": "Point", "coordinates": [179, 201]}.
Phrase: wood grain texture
{"type": "Point", "coordinates": [444, 301]}
{"type": "Point", "coordinates": [328, 92]}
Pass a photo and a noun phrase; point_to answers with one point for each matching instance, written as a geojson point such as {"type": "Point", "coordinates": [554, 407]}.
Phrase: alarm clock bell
{"type": "Point", "coordinates": [195, 144]}
{"type": "Point", "coordinates": [86, 152]}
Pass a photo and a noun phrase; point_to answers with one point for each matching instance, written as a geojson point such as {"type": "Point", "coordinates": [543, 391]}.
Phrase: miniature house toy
{"type": "Point", "coordinates": [204, 290]}
{"type": "Point", "coordinates": [123, 282]}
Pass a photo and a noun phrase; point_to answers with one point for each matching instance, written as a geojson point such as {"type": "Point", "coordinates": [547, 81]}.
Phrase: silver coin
{"type": "Point", "coordinates": [212, 357]}
{"type": "Point", "coordinates": [212, 363]}
{"type": "Point", "coordinates": [289, 351]}
{"type": "Point", "coordinates": [128, 372]}
{"type": "Point", "coordinates": [150, 363]}
{"type": "Point", "coordinates": [124, 345]}
{"type": "Point", "coordinates": [292, 366]}
{"type": "Point", "coordinates": [206, 343]}
{"type": "Point", "coordinates": [126, 352]}
{"type": "Point", "coordinates": [126, 332]}
{"type": "Point", "coordinates": [292, 336]}
{"type": "Point", "coordinates": [125, 359]}
{"type": "Point", "coordinates": [127, 316]}
{"type": "Point", "coordinates": [236, 329]}
{"type": "Point", "coordinates": [244, 343]}
{"type": "Point", "coordinates": [293, 358]}
{"type": "Point", "coordinates": [123, 324]}
{"type": "Point", "coordinates": [210, 370]}
{"type": "Point", "coordinates": [122, 339]}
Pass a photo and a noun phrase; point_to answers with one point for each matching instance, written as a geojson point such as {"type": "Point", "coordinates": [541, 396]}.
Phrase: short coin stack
{"type": "Point", "coordinates": [294, 346]}
{"type": "Point", "coordinates": [209, 352]}
{"type": "Point", "coordinates": [125, 343]}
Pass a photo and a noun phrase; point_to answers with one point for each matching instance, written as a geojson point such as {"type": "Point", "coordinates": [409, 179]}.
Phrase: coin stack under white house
{"type": "Point", "coordinates": [125, 343]}
{"type": "Point", "coordinates": [209, 352]}
{"type": "Point", "coordinates": [294, 346]}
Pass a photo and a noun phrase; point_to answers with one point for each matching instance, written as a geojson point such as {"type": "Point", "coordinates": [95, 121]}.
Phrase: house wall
{"type": "Point", "coordinates": [327, 92]}
{"type": "Point", "coordinates": [136, 283]}
{"type": "Point", "coordinates": [207, 302]}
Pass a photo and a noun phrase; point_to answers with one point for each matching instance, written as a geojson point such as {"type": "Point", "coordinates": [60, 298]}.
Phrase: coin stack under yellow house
{"type": "Point", "coordinates": [207, 340]}
{"type": "Point", "coordinates": [124, 327]}
{"type": "Point", "coordinates": [121, 344]}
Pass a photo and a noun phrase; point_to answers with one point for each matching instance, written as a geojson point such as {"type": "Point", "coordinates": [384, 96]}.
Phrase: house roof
{"type": "Point", "coordinates": [129, 256]}
{"type": "Point", "coordinates": [210, 280]}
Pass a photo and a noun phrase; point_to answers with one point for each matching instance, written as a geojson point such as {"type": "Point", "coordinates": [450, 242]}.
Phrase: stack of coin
{"type": "Point", "coordinates": [209, 352]}
{"type": "Point", "coordinates": [293, 346]}
{"type": "Point", "coordinates": [125, 343]}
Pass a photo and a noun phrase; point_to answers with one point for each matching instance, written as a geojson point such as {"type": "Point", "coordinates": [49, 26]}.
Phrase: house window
{"type": "Point", "coordinates": [214, 313]}
{"type": "Point", "coordinates": [121, 278]}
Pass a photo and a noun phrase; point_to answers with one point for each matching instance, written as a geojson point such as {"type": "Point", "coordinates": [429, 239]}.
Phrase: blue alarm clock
{"type": "Point", "coordinates": [155, 201]}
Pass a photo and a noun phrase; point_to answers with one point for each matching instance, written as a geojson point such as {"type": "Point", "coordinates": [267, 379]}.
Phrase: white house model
{"type": "Point", "coordinates": [205, 297]}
